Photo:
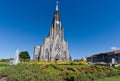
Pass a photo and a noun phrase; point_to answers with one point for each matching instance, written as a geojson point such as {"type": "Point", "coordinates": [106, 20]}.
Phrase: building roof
{"type": "Point", "coordinates": [106, 53]}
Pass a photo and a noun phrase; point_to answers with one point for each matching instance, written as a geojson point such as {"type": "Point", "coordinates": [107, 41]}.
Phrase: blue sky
{"type": "Point", "coordinates": [90, 26]}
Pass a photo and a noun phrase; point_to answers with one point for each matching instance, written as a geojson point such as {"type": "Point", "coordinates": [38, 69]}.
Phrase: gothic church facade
{"type": "Point", "coordinates": [54, 48]}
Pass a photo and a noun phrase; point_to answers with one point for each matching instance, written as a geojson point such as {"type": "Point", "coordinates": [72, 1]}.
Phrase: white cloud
{"type": "Point", "coordinates": [114, 48]}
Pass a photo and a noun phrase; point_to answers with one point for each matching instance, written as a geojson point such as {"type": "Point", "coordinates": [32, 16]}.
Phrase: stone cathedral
{"type": "Point", "coordinates": [54, 48]}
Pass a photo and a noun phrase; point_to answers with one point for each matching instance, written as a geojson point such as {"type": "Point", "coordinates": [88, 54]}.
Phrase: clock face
{"type": "Point", "coordinates": [57, 22]}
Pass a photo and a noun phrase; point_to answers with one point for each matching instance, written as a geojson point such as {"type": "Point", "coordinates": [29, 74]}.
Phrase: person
{"type": "Point", "coordinates": [113, 62]}
{"type": "Point", "coordinates": [110, 64]}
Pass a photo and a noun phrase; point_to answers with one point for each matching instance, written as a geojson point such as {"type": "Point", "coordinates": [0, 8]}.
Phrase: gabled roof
{"type": "Point", "coordinates": [106, 53]}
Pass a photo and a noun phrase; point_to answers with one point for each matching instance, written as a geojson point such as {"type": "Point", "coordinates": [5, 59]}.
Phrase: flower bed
{"type": "Point", "coordinates": [58, 63]}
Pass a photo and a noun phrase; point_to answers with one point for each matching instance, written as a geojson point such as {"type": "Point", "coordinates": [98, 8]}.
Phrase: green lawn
{"type": "Point", "coordinates": [2, 67]}
{"type": "Point", "coordinates": [115, 78]}
{"type": "Point", "coordinates": [53, 72]}
{"type": "Point", "coordinates": [2, 80]}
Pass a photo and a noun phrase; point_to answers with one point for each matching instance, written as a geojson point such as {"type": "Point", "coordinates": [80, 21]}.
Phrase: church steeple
{"type": "Point", "coordinates": [56, 28]}
{"type": "Point", "coordinates": [53, 45]}
{"type": "Point", "coordinates": [56, 18]}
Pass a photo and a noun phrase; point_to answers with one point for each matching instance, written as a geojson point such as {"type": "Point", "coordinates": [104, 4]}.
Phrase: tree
{"type": "Point", "coordinates": [24, 56]}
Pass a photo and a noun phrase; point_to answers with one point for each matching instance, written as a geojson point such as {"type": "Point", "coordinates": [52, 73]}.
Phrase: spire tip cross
{"type": "Point", "coordinates": [57, 2]}
{"type": "Point", "coordinates": [57, 5]}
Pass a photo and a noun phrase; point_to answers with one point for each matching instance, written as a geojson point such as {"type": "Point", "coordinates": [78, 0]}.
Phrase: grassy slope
{"type": "Point", "coordinates": [2, 80]}
{"type": "Point", "coordinates": [2, 67]}
{"type": "Point", "coordinates": [56, 72]}
{"type": "Point", "coordinates": [74, 66]}
{"type": "Point", "coordinates": [115, 78]}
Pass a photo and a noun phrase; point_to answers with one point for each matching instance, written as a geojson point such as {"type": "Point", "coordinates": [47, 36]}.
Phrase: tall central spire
{"type": "Point", "coordinates": [56, 14]}
{"type": "Point", "coordinates": [56, 18]}
{"type": "Point", "coordinates": [56, 5]}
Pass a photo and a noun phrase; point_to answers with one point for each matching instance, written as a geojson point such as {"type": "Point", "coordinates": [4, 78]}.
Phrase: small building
{"type": "Point", "coordinates": [105, 57]}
